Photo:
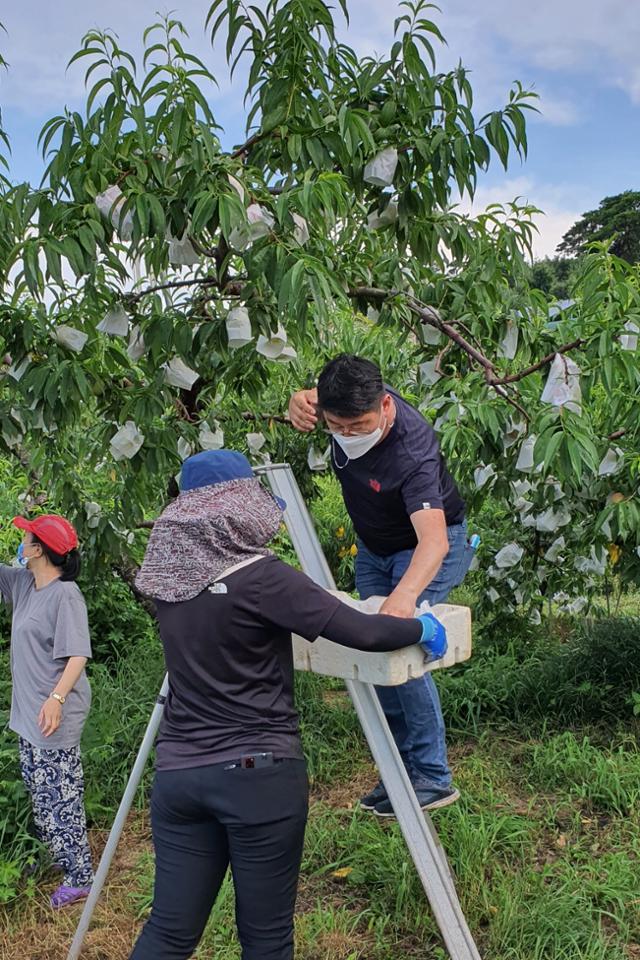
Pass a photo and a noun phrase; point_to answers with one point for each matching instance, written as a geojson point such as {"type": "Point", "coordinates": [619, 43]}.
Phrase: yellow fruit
{"type": "Point", "coordinates": [342, 872]}
{"type": "Point", "coordinates": [353, 550]}
{"type": "Point", "coordinates": [614, 553]}
{"type": "Point", "coordinates": [340, 533]}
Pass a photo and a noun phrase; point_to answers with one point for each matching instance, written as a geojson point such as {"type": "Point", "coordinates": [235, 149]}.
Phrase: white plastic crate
{"type": "Point", "coordinates": [385, 669]}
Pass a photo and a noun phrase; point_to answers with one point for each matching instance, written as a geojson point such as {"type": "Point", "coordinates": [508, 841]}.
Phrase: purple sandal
{"type": "Point", "coordinates": [65, 896]}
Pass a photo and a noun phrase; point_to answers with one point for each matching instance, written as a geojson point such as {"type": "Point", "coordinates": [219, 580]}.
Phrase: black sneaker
{"type": "Point", "coordinates": [428, 800]}
{"type": "Point", "coordinates": [377, 795]}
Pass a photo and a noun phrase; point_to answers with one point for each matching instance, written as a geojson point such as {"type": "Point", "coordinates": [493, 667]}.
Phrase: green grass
{"type": "Point", "coordinates": [541, 873]}
{"type": "Point", "coordinates": [124, 693]}
{"type": "Point", "coordinates": [545, 845]}
{"type": "Point", "coordinates": [545, 842]}
{"type": "Point", "coordinates": [584, 672]}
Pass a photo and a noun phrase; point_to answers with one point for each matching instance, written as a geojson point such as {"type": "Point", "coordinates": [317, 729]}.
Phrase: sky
{"type": "Point", "coordinates": [580, 56]}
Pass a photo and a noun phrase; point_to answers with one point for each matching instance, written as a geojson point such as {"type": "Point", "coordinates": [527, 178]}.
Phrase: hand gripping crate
{"type": "Point", "coordinates": [385, 669]}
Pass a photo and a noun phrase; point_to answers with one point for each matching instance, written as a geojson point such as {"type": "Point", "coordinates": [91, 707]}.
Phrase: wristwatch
{"type": "Point", "coordinates": [58, 697]}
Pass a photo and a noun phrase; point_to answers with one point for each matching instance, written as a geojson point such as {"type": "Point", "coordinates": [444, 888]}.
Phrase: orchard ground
{"type": "Point", "coordinates": [545, 842]}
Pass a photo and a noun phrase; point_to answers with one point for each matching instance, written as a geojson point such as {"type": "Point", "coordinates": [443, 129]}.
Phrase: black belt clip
{"type": "Point", "coordinates": [253, 761]}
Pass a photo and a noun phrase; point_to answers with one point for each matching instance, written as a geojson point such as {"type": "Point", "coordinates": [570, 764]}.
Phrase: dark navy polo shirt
{"type": "Point", "coordinates": [401, 475]}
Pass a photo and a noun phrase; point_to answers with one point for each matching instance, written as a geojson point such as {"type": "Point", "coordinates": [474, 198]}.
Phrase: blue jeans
{"type": "Point", "coordinates": [413, 709]}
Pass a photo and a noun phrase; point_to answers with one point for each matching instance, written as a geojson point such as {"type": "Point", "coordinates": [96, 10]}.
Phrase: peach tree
{"type": "Point", "coordinates": [160, 287]}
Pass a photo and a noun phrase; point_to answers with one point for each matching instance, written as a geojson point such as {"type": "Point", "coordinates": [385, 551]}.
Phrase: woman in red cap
{"type": "Point", "coordinates": [51, 695]}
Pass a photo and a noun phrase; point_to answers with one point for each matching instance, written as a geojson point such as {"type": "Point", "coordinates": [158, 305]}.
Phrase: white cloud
{"type": "Point", "coordinates": [567, 34]}
{"type": "Point", "coordinates": [552, 226]}
{"type": "Point", "coordinates": [560, 205]}
{"type": "Point", "coordinates": [42, 37]}
{"type": "Point", "coordinates": [596, 38]}
{"type": "Point", "coordinates": [503, 39]}
{"type": "Point", "coordinates": [558, 111]}
{"type": "Point", "coordinates": [631, 84]}
{"type": "Point", "coordinates": [498, 39]}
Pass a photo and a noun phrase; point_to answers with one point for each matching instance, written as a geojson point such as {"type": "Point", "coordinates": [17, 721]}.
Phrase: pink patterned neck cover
{"type": "Point", "coordinates": [203, 533]}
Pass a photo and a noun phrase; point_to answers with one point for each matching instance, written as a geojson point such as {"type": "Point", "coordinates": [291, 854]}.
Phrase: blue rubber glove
{"type": "Point", "coordinates": [434, 637]}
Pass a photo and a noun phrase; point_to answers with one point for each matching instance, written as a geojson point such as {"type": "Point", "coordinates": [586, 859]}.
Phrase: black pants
{"type": "Point", "coordinates": [206, 818]}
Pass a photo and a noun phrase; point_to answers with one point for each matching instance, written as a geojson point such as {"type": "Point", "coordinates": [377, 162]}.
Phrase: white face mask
{"type": "Point", "coordinates": [358, 445]}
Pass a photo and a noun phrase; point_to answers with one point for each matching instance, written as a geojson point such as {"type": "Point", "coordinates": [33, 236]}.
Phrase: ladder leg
{"type": "Point", "coordinates": [118, 824]}
{"type": "Point", "coordinates": [419, 833]}
{"type": "Point", "coordinates": [420, 836]}
{"type": "Point", "coordinates": [440, 848]}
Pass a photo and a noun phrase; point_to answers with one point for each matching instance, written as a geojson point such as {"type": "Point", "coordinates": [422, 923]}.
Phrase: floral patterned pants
{"type": "Point", "coordinates": [55, 783]}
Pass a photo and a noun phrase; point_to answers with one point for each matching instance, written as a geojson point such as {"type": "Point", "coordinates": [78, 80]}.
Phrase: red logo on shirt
{"type": "Point", "coordinates": [375, 485]}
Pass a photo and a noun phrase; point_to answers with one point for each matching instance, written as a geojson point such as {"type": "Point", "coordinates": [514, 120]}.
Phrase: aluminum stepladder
{"type": "Point", "coordinates": [419, 833]}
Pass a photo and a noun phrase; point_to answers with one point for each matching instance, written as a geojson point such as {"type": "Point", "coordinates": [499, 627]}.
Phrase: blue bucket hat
{"type": "Point", "coordinates": [216, 466]}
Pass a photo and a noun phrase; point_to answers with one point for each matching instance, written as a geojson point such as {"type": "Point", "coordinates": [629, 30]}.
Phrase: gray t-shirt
{"type": "Point", "coordinates": [49, 625]}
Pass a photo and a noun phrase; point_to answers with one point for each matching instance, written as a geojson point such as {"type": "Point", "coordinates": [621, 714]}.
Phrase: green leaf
{"type": "Point", "coordinates": [143, 213]}
{"type": "Point", "coordinates": [231, 211]}
{"type": "Point", "coordinates": [178, 128]}
{"type": "Point", "coordinates": [158, 218]}
{"type": "Point", "coordinates": [32, 272]}
{"type": "Point", "coordinates": [589, 450]}
{"type": "Point", "coordinates": [575, 457]}
{"type": "Point", "coordinates": [54, 263]}
{"type": "Point", "coordinates": [203, 212]}
{"type": "Point", "coordinates": [294, 146]}
{"type": "Point", "coordinates": [316, 152]}
{"type": "Point", "coordinates": [497, 137]}
{"type": "Point", "coordinates": [87, 240]}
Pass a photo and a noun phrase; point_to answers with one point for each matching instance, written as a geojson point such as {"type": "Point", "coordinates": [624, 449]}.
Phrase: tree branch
{"type": "Point", "coordinates": [201, 249]}
{"type": "Point", "coordinates": [220, 254]}
{"type": "Point", "coordinates": [183, 412]}
{"type": "Point", "coordinates": [514, 377]}
{"type": "Point", "coordinates": [231, 289]}
{"type": "Point", "coordinates": [427, 315]}
{"type": "Point", "coordinates": [431, 316]}
{"type": "Point", "coordinates": [258, 417]}
{"type": "Point", "coordinates": [501, 391]}
{"type": "Point", "coordinates": [128, 571]}
{"type": "Point", "coordinates": [251, 142]}
{"type": "Point", "coordinates": [246, 415]}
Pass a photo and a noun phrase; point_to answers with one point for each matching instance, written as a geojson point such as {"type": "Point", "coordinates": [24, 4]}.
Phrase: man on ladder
{"type": "Point", "coordinates": [410, 521]}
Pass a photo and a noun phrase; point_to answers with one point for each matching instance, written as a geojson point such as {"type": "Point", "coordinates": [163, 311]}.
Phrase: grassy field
{"type": "Point", "coordinates": [545, 843]}
{"type": "Point", "coordinates": [544, 725]}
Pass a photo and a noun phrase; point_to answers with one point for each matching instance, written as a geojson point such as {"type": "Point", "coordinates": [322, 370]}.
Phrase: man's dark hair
{"type": "Point", "coordinates": [350, 386]}
{"type": "Point", "coordinates": [69, 562]}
